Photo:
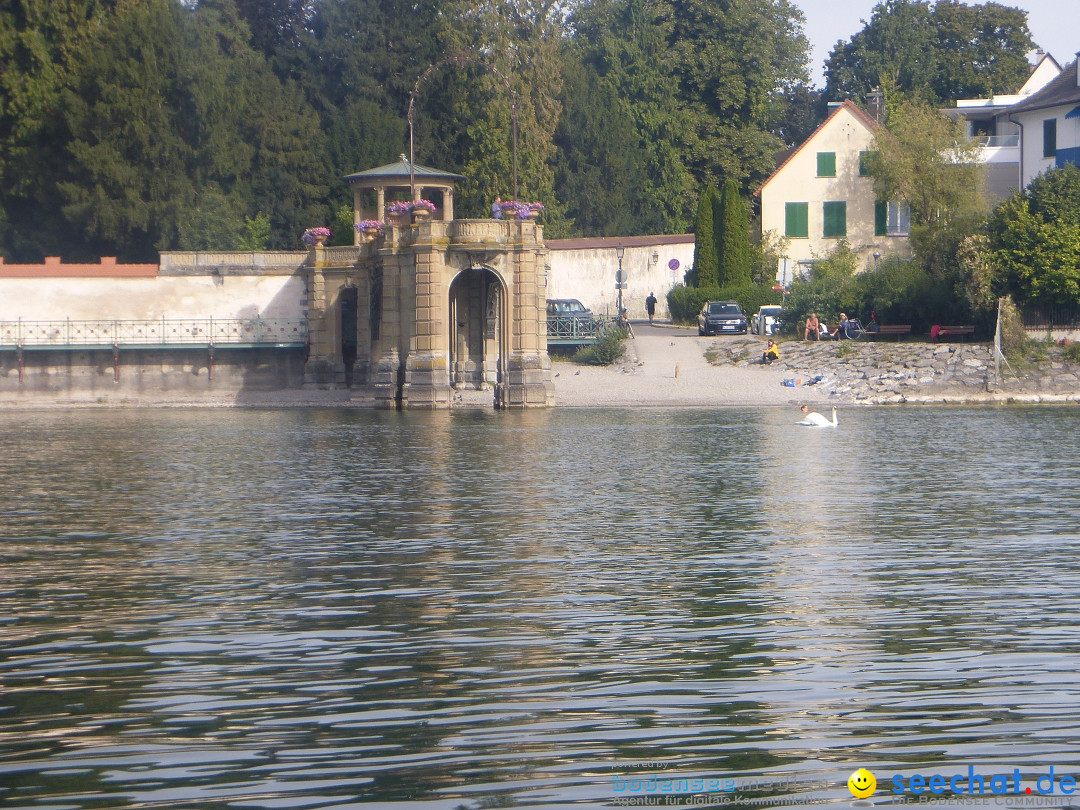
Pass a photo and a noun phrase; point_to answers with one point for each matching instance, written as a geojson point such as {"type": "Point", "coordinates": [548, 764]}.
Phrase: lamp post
{"type": "Point", "coordinates": [619, 251]}
{"type": "Point", "coordinates": [876, 257]}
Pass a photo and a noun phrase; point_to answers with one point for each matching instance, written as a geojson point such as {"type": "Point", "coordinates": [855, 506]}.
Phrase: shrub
{"type": "Point", "coordinates": [606, 350]}
{"type": "Point", "coordinates": [1071, 352]}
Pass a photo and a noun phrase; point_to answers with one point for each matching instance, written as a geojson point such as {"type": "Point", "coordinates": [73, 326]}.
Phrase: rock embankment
{"type": "Point", "coordinates": [886, 372]}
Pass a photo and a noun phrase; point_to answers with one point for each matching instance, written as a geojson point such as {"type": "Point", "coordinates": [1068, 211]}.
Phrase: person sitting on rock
{"type": "Point", "coordinates": [841, 332]}
{"type": "Point", "coordinates": [772, 352]}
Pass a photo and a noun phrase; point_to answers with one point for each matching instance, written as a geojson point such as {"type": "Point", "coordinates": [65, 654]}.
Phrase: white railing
{"type": "Point", "coordinates": [162, 332]}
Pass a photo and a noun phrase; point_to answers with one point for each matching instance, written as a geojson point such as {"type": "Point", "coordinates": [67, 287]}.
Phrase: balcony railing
{"type": "Point", "coordinates": [998, 140]}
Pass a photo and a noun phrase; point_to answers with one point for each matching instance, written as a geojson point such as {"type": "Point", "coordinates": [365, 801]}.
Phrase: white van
{"type": "Point", "coordinates": [767, 321]}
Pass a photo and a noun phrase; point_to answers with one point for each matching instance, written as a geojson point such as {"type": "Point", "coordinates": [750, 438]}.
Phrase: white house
{"type": "Point", "coordinates": [987, 119]}
{"type": "Point", "coordinates": [822, 194]}
{"type": "Point", "coordinates": [1049, 123]}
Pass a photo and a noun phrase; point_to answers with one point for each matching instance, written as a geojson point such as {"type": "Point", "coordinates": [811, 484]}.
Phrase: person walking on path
{"type": "Point", "coordinates": [650, 306]}
{"type": "Point", "coordinates": [496, 208]}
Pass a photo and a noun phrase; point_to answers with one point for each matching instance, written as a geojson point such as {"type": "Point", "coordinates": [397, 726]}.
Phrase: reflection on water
{"type": "Point", "coordinates": [357, 609]}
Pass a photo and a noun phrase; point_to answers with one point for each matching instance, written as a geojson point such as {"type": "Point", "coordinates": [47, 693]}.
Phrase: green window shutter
{"type": "Point", "coordinates": [826, 164]}
{"type": "Point", "coordinates": [881, 218]}
{"type": "Point", "coordinates": [796, 220]}
{"type": "Point", "coordinates": [1050, 137]}
{"type": "Point", "coordinates": [834, 215]}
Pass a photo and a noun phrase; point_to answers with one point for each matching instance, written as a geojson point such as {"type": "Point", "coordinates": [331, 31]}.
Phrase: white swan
{"type": "Point", "coordinates": [814, 419]}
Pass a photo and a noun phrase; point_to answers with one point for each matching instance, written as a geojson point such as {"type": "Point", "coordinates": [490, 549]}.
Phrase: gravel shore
{"type": "Point", "coordinates": [668, 366]}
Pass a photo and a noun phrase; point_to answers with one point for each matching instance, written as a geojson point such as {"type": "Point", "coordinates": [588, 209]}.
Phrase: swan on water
{"type": "Point", "coordinates": [815, 419]}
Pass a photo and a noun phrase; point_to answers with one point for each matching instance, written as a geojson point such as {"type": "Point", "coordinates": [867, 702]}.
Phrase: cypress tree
{"type": "Point", "coordinates": [733, 239]}
{"type": "Point", "coordinates": [705, 254]}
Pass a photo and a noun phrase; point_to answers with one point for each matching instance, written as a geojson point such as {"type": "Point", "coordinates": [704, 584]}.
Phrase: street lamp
{"type": "Point", "coordinates": [876, 257]}
{"type": "Point", "coordinates": [619, 251]}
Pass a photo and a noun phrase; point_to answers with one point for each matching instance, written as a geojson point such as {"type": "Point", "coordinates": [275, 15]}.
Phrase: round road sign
{"type": "Point", "coordinates": [673, 264]}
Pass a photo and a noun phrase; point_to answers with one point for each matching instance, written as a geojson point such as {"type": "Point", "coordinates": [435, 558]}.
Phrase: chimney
{"type": "Point", "coordinates": [875, 104]}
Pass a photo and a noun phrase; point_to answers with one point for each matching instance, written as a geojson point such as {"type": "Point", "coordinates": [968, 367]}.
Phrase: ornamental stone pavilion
{"type": "Point", "coordinates": [431, 304]}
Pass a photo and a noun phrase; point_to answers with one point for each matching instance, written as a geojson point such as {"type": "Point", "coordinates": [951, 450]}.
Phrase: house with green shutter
{"type": "Point", "coordinates": [822, 193]}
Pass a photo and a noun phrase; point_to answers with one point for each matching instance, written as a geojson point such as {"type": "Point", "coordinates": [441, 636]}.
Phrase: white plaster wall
{"type": "Point", "coordinates": [588, 274]}
{"type": "Point", "coordinates": [797, 181]}
{"type": "Point", "coordinates": [171, 297]}
{"type": "Point", "coordinates": [1031, 139]}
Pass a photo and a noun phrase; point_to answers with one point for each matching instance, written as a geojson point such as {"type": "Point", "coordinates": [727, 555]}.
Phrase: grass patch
{"type": "Point", "coordinates": [844, 348]}
{"type": "Point", "coordinates": [1071, 352]}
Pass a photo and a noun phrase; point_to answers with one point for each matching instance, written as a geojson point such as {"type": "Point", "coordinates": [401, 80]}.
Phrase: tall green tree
{"type": "Point", "coordinates": [37, 44]}
{"type": "Point", "coordinates": [706, 258]}
{"type": "Point", "coordinates": [732, 238]}
{"type": "Point", "coordinates": [939, 52]}
{"type": "Point", "coordinates": [169, 102]}
{"type": "Point", "coordinates": [620, 129]}
{"type": "Point", "coordinates": [734, 59]}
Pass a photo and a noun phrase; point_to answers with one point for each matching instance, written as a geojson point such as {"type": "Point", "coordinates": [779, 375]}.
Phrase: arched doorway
{"type": "Point", "coordinates": [478, 320]}
{"type": "Point", "coordinates": [347, 301]}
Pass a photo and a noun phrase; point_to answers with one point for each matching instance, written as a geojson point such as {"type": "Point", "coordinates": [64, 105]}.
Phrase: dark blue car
{"type": "Point", "coordinates": [721, 317]}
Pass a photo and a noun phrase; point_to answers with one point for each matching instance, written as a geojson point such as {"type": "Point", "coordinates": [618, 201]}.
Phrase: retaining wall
{"type": "Point", "coordinates": [94, 376]}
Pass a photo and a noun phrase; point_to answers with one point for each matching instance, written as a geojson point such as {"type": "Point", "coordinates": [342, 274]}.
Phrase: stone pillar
{"type": "Point", "coordinates": [528, 367]}
{"type": "Point", "coordinates": [388, 372]}
{"type": "Point", "coordinates": [362, 367]}
{"type": "Point", "coordinates": [357, 214]}
{"type": "Point", "coordinates": [324, 368]}
{"type": "Point", "coordinates": [427, 368]}
{"type": "Point", "coordinates": [448, 203]}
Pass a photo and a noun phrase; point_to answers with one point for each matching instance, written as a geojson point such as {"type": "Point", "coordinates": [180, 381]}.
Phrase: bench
{"type": "Point", "coordinates": [950, 331]}
{"type": "Point", "coordinates": [897, 329]}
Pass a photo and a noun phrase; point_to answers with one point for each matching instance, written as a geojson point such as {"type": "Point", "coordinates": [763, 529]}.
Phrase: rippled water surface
{"type": "Point", "coordinates": [326, 609]}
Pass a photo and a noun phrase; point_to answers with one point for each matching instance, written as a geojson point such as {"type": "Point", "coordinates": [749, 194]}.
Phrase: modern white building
{"type": "Point", "coordinates": [1049, 124]}
{"type": "Point", "coordinates": [988, 120]}
{"type": "Point", "coordinates": [822, 194]}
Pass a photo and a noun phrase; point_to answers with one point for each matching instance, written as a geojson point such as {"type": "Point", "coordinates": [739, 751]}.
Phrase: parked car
{"type": "Point", "coordinates": [766, 321]}
{"type": "Point", "coordinates": [721, 317]}
{"type": "Point", "coordinates": [568, 308]}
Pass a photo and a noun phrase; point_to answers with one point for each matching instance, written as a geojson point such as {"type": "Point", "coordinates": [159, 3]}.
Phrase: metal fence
{"type": "Point", "coordinates": [239, 332]}
{"type": "Point", "coordinates": [574, 330]}
{"type": "Point", "coordinates": [1051, 317]}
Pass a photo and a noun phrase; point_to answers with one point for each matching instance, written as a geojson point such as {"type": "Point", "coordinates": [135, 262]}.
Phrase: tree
{"type": "Point", "coordinates": [923, 158]}
{"type": "Point", "coordinates": [1033, 240]}
{"type": "Point", "coordinates": [734, 60]}
{"type": "Point", "coordinates": [172, 116]}
{"type": "Point", "coordinates": [733, 238]}
{"type": "Point", "coordinates": [37, 43]}
{"type": "Point", "coordinates": [620, 131]}
{"type": "Point", "coordinates": [706, 259]}
{"type": "Point", "coordinates": [942, 52]}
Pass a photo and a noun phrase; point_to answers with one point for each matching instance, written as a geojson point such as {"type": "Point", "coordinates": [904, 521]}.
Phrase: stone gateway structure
{"type": "Point", "coordinates": [428, 307]}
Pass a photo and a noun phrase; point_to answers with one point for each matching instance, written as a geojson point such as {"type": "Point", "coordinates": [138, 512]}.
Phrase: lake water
{"type": "Point", "coordinates": [346, 609]}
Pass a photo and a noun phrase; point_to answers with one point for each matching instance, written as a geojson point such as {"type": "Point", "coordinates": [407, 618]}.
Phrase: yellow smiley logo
{"type": "Point", "coordinates": [862, 783]}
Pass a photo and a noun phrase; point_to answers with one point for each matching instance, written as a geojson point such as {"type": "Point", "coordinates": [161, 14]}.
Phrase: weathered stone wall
{"type": "Point", "coordinates": [94, 375]}
{"type": "Point", "coordinates": [887, 372]}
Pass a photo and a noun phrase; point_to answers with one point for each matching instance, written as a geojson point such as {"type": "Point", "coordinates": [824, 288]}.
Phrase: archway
{"type": "Point", "coordinates": [347, 303]}
{"type": "Point", "coordinates": [478, 318]}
